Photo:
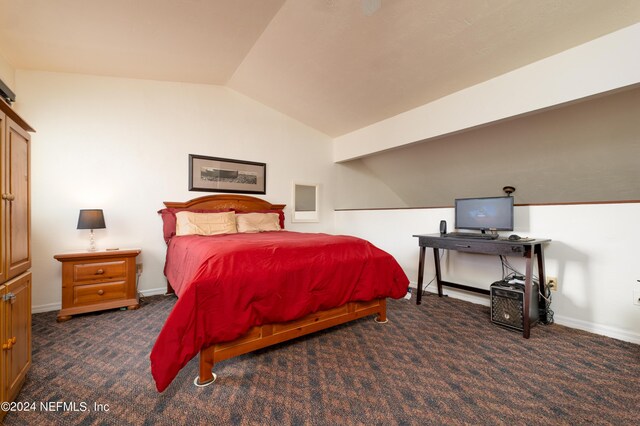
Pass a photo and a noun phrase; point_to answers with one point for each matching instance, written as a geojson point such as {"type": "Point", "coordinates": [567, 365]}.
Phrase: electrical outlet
{"type": "Point", "coordinates": [139, 268]}
{"type": "Point", "coordinates": [552, 283]}
{"type": "Point", "coordinates": [636, 297]}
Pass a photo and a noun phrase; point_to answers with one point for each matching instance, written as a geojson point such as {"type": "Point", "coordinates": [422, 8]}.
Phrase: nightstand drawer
{"type": "Point", "coordinates": [96, 293]}
{"type": "Point", "coordinates": [99, 271]}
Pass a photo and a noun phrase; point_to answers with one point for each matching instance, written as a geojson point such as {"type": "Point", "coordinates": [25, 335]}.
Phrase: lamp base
{"type": "Point", "coordinates": [92, 242]}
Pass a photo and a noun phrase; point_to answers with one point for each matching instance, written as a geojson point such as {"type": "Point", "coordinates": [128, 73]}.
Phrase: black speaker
{"type": "Point", "coordinates": [6, 93]}
{"type": "Point", "coordinates": [443, 227]}
{"type": "Point", "coordinates": [507, 305]}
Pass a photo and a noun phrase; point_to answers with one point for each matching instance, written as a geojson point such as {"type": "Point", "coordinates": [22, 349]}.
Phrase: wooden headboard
{"type": "Point", "coordinates": [241, 203]}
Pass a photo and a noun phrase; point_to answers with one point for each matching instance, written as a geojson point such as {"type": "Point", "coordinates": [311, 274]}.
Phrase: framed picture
{"type": "Point", "coordinates": [212, 174]}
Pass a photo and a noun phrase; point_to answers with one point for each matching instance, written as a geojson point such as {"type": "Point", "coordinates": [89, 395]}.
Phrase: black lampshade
{"type": "Point", "coordinates": [91, 219]}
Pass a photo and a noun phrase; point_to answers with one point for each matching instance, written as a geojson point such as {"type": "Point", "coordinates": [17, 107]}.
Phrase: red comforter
{"type": "Point", "coordinates": [228, 283]}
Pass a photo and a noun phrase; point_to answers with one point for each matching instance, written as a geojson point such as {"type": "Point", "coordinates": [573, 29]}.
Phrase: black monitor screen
{"type": "Point", "coordinates": [485, 213]}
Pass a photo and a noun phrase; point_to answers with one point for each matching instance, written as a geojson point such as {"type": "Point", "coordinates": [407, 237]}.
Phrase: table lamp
{"type": "Point", "coordinates": [91, 219]}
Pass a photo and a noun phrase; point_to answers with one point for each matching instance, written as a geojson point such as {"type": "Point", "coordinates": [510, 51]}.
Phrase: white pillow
{"type": "Point", "coordinates": [258, 222]}
{"type": "Point", "coordinates": [189, 223]}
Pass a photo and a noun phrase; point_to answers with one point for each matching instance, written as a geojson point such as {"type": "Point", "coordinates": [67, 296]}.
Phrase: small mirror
{"type": "Point", "coordinates": [305, 203]}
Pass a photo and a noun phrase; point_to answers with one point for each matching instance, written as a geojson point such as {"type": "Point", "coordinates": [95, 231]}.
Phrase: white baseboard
{"type": "Point", "coordinates": [603, 330]}
{"type": "Point", "coordinates": [467, 297]}
{"type": "Point", "coordinates": [154, 291]}
{"type": "Point", "coordinates": [46, 308]}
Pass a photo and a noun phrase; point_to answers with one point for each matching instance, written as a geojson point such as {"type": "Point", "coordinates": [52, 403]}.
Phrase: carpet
{"type": "Point", "coordinates": [441, 363]}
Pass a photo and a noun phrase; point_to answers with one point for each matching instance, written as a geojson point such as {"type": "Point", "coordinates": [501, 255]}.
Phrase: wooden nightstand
{"type": "Point", "coordinates": [94, 281]}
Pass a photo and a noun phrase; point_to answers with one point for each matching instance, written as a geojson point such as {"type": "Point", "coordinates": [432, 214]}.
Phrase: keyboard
{"type": "Point", "coordinates": [471, 235]}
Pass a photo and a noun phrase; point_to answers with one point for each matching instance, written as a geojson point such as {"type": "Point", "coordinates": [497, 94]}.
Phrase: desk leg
{"type": "Point", "coordinates": [436, 259]}
{"type": "Point", "coordinates": [420, 275]}
{"type": "Point", "coordinates": [527, 295]}
{"type": "Point", "coordinates": [543, 283]}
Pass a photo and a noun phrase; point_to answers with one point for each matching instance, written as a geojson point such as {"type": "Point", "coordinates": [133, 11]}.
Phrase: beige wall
{"type": "Point", "coordinates": [122, 145]}
{"type": "Point", "coordinates": [592, 253]}
{"type": "Point", "coordinates": [603, 65]}
{"type": "Point", "coordinates": [7, 73]}
{"type": "Point", "coordinates": [357, 186]}
{"type": "Point", "coordinates": [587, 151]}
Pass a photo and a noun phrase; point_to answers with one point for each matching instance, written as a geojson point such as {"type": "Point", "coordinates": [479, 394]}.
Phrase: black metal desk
{"type": "Point", "coordinates": [522, 248]}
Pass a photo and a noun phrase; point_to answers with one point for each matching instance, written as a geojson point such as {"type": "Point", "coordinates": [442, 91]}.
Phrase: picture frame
{"type": "Point", "coordinates": [214, 174]}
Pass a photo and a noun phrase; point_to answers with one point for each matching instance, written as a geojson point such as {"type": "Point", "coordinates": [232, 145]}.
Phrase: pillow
{"type": "Point", "coordinates": [169, 220]}
{"type": "Point", "coordinates": [258, 222]}
{"type": "Point", "coordinates": [190, 223]}
{"type": "Point", "coordinates": [280, 214]}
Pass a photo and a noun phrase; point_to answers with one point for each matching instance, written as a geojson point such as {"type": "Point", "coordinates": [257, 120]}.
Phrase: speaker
{"type": "Point", "coordinates": [507, 305]}
{"type": "Point", "coordinates": [443, 227]}
{"type": "Point", "coordinates": [6, 93]}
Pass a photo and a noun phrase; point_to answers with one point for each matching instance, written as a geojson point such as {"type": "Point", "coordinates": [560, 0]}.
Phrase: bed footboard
{"type": "Point", "coordinates": [271, 334]}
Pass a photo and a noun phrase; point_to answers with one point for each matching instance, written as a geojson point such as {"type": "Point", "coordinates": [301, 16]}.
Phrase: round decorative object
{"type": "Point", "coordinates": [196, 381]}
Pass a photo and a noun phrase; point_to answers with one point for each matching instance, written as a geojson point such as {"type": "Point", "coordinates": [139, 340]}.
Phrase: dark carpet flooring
{"type": "Point", "coordinates": [439, 363]}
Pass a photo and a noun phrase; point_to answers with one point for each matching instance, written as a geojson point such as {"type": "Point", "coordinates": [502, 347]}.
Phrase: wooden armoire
{"type": "Point", "coordinates": [15, 252]}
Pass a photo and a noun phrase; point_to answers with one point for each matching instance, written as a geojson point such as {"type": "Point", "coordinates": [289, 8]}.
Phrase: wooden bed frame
{"type": "Point", "coordinates": [269, 334]}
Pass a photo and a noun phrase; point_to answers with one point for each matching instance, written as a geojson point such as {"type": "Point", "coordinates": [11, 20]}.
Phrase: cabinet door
{"type": "Point", "coordinates": [4, 275]}
{"type": "Point", "coordinates": [19, 205]}
{"type": "Point", "coordinates": [3, 355]}
{"type": "Point", "coordinates": [18, 314]}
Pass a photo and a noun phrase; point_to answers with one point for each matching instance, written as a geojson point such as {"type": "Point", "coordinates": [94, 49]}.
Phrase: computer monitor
{"type": "Point", "coordinates": [489, 213]}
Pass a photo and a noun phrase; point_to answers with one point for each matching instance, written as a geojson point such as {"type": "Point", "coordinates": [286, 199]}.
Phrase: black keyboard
{"type": "Point", "coordinates": [471, 235]}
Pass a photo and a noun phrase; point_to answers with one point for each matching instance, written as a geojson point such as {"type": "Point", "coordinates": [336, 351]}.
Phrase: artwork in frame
{"type": "Point", "coordinates": [212, 174]}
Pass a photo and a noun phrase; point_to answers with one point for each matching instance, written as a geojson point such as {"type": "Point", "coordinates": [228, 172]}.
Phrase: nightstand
{"type": "Point", "coordinates": [99, 280]}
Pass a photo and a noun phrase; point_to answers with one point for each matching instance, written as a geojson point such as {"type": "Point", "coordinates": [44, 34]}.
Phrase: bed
{"type": "Point", "coordinates": [240, 292]}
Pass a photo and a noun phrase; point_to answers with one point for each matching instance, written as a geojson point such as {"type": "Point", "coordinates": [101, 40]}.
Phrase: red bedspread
{"type": "Point", "coordinates": [228, 283]}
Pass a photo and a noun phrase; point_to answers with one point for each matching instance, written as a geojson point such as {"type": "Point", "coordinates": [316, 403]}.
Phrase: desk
{"type": "Point", "coordinates": [527, 249]}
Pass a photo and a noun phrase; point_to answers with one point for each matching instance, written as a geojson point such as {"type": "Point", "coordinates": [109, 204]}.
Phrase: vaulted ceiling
{"type": "Point", "coordinates": [336, 65]}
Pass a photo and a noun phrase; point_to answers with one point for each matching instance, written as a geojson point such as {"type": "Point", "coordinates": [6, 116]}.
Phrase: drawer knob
{"type": "Point", "coordinates": [100, 292]}
{"type": "Point", "coordinates": [100, 272]}
{"type": "Point", "coordinates": [9, 343]}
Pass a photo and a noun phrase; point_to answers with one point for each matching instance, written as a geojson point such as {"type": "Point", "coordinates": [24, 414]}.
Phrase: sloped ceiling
{"type": "Point", "coordinates": [194, 41]}
{"type": "Point", "coordinates": [335, 65]}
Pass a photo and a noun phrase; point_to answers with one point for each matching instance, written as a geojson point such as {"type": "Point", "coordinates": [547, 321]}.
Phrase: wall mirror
{"type": "Point", "coordinates": [305, 202]}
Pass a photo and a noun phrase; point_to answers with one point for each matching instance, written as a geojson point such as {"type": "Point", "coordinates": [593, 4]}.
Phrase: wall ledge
{"type": "Point", "coordinates": [604, 65]}
{"type": "Point", "coordinates": [572, 203]}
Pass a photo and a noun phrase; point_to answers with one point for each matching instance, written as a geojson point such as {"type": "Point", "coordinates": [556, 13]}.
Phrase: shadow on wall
{"type": "Point", "coordinates": [522, 221]}
{"type": "Point", "coordinates": [556, 156]}
{"type": "Point", "coordinates": [571, 301]}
